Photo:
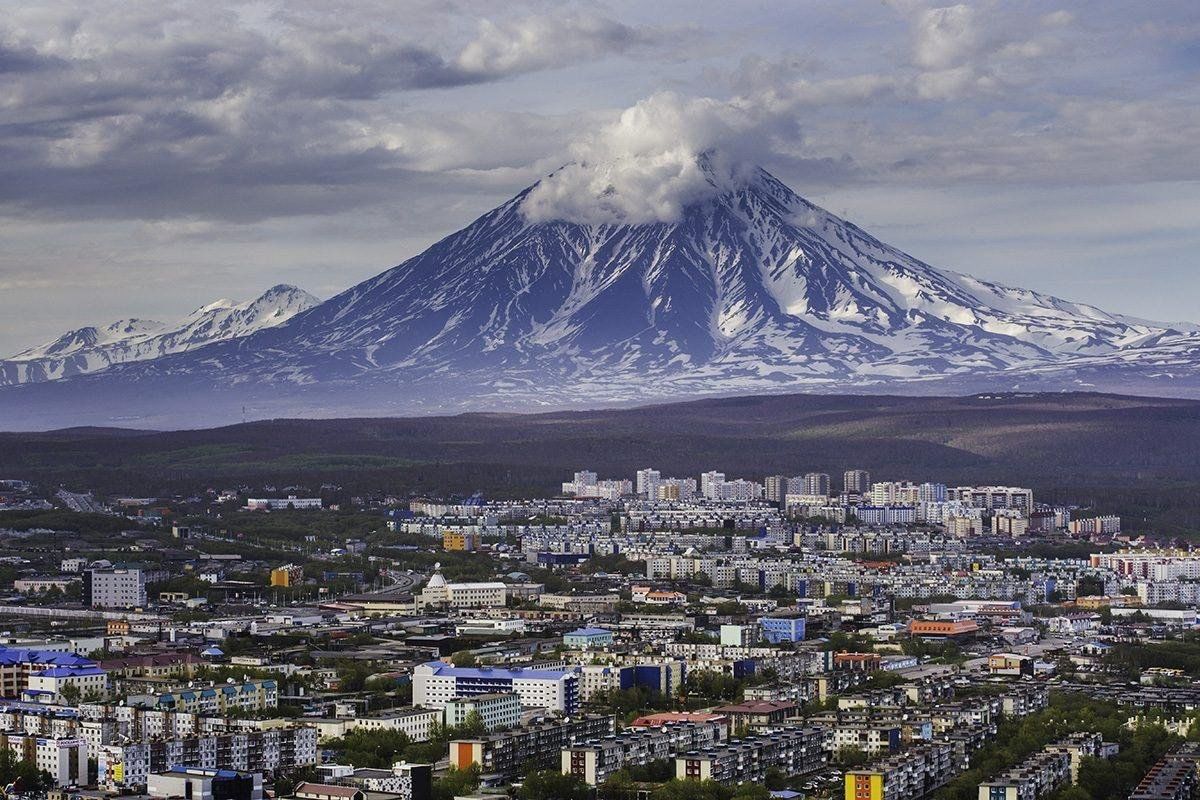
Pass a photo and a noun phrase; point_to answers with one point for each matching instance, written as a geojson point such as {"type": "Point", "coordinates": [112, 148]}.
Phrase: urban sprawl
{"type": "Point", "coordinates": [658, 637]}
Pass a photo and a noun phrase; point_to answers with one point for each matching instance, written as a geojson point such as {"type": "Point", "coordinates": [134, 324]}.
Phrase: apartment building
{"type": "Point", "coordinates": [436, 683]}
{"type": "Point", "coordinates": [19, 664]}
{"type": "Point", "coordinates": [49, 685]}
{"type": "Point", "coordinates": [416, 723]}
{"type": "Point", "coordinates": [794, 751]}
{"type": "Point", "coordinates": [856, 481]}
{"type": "Point", "coordinates": [114, 588]}
{"type": "Point", "coordinates": [63, 757]}
{"type": "Point", "coordinates": [128, 766]}
{"type": "Point", "coordinates": [1035, 777]}
{"type": "Point", "coordinates": [536, 746]}
{"type": "Point", "coordinates": [595, 761]}
{"type": "Point", "coordinates": [499, 710]}
{"type": "Point", "coordinates": [910, 774]}
{"type": "Point", "coordinates": [1173, 777]}
{"type": "Point", "coordinates": [214, 699]}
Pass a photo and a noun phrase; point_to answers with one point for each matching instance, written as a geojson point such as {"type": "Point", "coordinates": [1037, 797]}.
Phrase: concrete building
{"type": "Point", "coordinates": [63, 757]}
{"type": "Point", "coordinates": [794, 751]}
{"type": "Point", "coordinates": [588, 638]}
{"type": "Point", "coordinates": [537, 746]}
{"type": "Point", "coordinates": [129, 766]}
{"type": "Point", "coordinates": [499, 710]}
{"type": "Point", "coordinates": [436, 683]}
{"type": "Point", "coordinates": [49, 685]}
{"type": "Point", "coordinates": [114, 588]}
{"type": "Point", "coordinates": [912, 773]}
{"type": "Point", "coordinates": [1035, 777]}
{"type": "Point", "coordinates": [416, 723]}
{"type": "Point", "coordinates": [648, 482]}
{"type": "Point", "coordinates": [595, 761]}
{"type": "Point", "coordinates": [205, 784]}
{"type": "Point", "coordinates": [1173, 777]}
{"type": "Point", "coordinates": [817, 484]}
{"type": "Point", "coordinates": [856, 481]}
{"type": "Point", "coordinates": [214, 699]}
{"type": "Point", "coordinates": [782, 628]}
{"type": "Point", "coordinates": [488, 594]}
{"type": "Point", "coordinates": [287, 575]}
{"type": "Point", "coordinates": [283, 503]}
{"type": "Point", "coordinates": [740, 635]}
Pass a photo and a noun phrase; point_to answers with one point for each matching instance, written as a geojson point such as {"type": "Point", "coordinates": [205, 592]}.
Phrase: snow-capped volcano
{"type": "Point", "coordinates": [91, 349]}
{"type": "Point", "coordinates": [751, 288]}
{"type": "Point", "coordinates": [754, 282]}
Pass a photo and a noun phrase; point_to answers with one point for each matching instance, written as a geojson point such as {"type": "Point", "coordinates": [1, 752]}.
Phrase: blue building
{"type": "Point", "coordinates": [782, 629]}
{"type": "Point", "coordinates": [588, 638]}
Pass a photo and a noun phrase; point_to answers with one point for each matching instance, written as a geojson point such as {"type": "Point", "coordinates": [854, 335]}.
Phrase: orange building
{"type": "Point", "coordinates": [466, 541]}
{"type": "Point", "coordinates": [942, 629]}
{"type": "Point", "coordinates": [856, 662]}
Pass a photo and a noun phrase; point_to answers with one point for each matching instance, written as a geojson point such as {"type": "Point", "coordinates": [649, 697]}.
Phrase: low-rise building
{"type": "Point", "coordinates": [588, 638]}
{"type": "Point", "coordinates": [205, 784]}
{"type": "Point", "coordinates": [794, 751]}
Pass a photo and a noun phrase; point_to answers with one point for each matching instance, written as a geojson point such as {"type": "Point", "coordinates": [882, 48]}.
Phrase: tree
{"type": "Point", "coordinates": [464, 658]}
{"type": "Point", "coordinates": [456, 782]}
{"type": "Point", "coordinates": [70, 693]}
{"type": "Point", "coordinates": [551, 785]}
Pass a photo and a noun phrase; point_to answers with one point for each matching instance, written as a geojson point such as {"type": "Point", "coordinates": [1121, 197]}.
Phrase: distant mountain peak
{"type": "Point", "coordinates": [90, 349]}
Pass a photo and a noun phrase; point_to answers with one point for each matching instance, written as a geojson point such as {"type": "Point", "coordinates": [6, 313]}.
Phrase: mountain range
{"type": "Point", "coordinates": [91, 349]}
{"type": "Point", "coordinates": [751, 289]}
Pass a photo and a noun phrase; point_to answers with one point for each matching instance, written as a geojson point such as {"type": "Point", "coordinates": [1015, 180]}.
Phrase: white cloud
{"type": "Point", "coordinates": [541, 42]}
{"type": "Point", "coordinates": [945, 37]}
{"type": "Point", "coordinates": [645, 166]}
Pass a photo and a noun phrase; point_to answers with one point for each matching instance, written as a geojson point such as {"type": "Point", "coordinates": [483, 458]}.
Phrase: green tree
{"type": "Point", "coordinates": [464, 658]}
{"type": "Point", "coordinates": [552, 785]}
{"type": "Point", "coordinates": [456, 782]}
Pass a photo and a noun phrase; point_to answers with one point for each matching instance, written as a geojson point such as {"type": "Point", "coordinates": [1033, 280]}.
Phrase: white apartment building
{"type": "Point", "coordinates": [417, 723]}
{"type": "Point", "coordinates": [709, 481]}
{"type": "Point", "coordinates": [291, 501]}
{"type": "Point", "coordinates": [500, 710]}
{"type": "Point", "coordinates": [47, 686]}
{"type": "Point", "coordinates": [993, 497]}
{"type": "Point", "coordinates": [648, 481]}
{"type": "Point", "coordinates": [114, 588]}
{"type": "Point", "coordinates": [436, 683]}
{"type": "Point", "coordinates": [64, 758]}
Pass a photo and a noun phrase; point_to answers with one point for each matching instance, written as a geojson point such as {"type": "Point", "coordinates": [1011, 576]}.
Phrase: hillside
{"type": "Point", "coordinates": [1137, 455]}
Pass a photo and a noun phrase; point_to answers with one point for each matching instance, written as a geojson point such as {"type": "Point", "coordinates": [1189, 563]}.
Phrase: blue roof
{"type": "Point", "coordinates": [589, 632]}
{"type": "Point", "coordinates": [497, 672]}
{"type": "Point", "coordinates": [67, 672]}
{"type": "Point", "coordinates": [25, 655]}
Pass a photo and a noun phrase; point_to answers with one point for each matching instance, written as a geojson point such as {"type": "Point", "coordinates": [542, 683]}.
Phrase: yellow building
{"type": "Point", "coordinates": [287, 575]}
{"type": "Point", "coordinates": [864, 786]}
{"type": "Point", "coordinates": [467, 541]}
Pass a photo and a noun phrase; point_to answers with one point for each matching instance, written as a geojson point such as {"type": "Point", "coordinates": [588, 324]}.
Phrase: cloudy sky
{"type": "Point", "coordinates": [156, 156]}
